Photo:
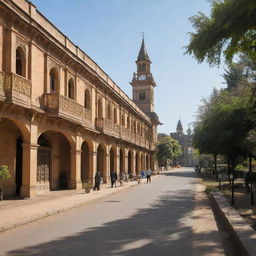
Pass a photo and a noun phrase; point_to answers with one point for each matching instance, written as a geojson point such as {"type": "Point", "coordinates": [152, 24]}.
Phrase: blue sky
{"type": "Point", "coordinates": [109, 31]}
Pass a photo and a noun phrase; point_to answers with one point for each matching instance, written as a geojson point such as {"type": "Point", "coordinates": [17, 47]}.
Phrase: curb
{"type": "Point", "coordinates": [62, 208]}
{"type": "Point", "coordinates": [243, 233]}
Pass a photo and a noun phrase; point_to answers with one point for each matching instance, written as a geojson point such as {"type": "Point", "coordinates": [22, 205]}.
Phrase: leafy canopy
{"type": "Point", "coordinates": [231, 28]}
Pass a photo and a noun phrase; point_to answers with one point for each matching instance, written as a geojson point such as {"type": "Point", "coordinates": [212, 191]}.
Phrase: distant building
{"type": "Point", "coordinates": [185, 140]}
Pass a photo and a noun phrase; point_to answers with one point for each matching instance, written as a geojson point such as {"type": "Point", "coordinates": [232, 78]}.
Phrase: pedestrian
{"type": "Point", "coordinates": [121, 179]}
{"type": "Point", "coordinates": [115, 174]}
{"type": "Point", "coordinates": [148, 173]}
{"type": "Point", "coordinates": [97, 179]}
{"type": "Point", "coordinates": [113, 179]}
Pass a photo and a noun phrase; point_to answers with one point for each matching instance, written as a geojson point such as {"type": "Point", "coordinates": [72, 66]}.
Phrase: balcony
{"type": "Point", "coordinates": [2, 83]}
{"type": "Point", "coordinates": [107, 126]}
{"type": "Point", "coordinates": [63, 107]}
{"type": "Point", "coordinates": [17, 89]}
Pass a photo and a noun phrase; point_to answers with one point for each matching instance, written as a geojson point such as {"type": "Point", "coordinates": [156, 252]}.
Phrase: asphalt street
{"type": "Point", "coordinates": [160, 218]}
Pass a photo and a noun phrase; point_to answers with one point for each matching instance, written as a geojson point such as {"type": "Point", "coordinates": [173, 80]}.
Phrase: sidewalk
{"type": "Point", "coordinates": [18, 212]}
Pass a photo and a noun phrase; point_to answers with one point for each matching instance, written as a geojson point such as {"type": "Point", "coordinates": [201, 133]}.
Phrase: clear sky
{"type": "Point", "coordinates": [109, 31]}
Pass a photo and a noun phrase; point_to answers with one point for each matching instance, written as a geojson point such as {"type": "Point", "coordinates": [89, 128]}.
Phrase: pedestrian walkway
{"type": "Point", "coordinates": [18, 212]}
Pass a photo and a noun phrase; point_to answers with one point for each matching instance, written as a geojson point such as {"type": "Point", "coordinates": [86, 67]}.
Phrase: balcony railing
{"type": "Point", "coordinates": [61, 106]}
{"type": "Point", "coordinates": [2, 84]}
{"type": "Point", "coordinates": [107, 126]}
{"type": "Point", "coordinates": [17, 89]}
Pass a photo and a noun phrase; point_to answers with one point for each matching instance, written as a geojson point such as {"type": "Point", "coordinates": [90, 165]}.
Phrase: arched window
{"type": "Point", "coordinates": [87, 99]}
{"type": "Point", "coordinates": [71, 89]}
{"type": "Point", "coordinates": [123, 120]}
{"type": "Point", "coordinates": [115, 115]}
{"type": "Point", "coordinates": [53, 80]}
{"type": "Point", "coordinates": [138, 128]}
{"type": "Point", "coordinates": [142, 96]}
{"type": "Point", "coordinates": [108, 111]}
{"type": "Point", "coordinates": [20, 62]}
{"type": "Point", "coordinates": [99, 108]}
{"type": "Point", "coordinates": [128, 122]}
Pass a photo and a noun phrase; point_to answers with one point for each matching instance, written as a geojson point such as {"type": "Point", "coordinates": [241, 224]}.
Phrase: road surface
{"type": "Point", "coordinates": [170, 216]}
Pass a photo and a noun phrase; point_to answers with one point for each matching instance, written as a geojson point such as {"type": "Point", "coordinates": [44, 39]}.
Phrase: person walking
{"type": "Point", "coordinates": [121, 179]}
{"type": "Point", "coordinates": [148, 173]}
{"type": "Point", "coordinates": [97, 179]}
{"type": "Point", "coordinates": [113, 177]}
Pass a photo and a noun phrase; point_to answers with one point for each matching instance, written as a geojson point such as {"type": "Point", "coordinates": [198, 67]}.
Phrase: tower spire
{"type": "Point", "coordinates": [143, 55]}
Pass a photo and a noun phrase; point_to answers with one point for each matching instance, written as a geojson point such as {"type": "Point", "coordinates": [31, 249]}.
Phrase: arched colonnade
{"type": "Point", "coordinates": [41, 159]}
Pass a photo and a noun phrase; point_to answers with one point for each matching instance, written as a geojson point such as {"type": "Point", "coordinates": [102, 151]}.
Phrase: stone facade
{"type": "Point", "coordinates": [185, 140]}
{"type": "Point", "coordinates": [62, 118]}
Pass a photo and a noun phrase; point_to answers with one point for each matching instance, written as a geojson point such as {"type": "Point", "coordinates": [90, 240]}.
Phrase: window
{"type": "Point", "coordinates": [87, 99]}
{"type": "Point", "coordinates": [142, 96]}
{"type": "Point", "coordinates": [99, 108]}
{"type": "Point", "coordinates": [53, 80]}
{"type": "Point", "coordinates": [128, 122]}
{"type": "Point", "coordinates": [20, 62]}
{"type": "Point", "coordinates": [115, 115]}
{"type": "Point", "coordinates": [71, 89]}
{"type": "Point", "coordinates": [108, 111]}
{"type": "Point", "coordinates": [123, 120]}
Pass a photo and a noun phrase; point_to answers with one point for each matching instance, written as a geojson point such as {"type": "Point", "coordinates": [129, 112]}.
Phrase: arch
{"type": "Point", "coordinates": [20, 62]}
{"type": "Point", "coordinates": [54, 161]}
{"type": "Point", "coordinates": [99, 108]}
{"type": "Point", "coordinates": [43, 163]}
{"type": "Point", "coordinates": [137, 170]}
{"type": "Point", "coordinates": [129, 162]}
{"type": "Point", "coordinates": [147, 163]}
{"type": "Point", "coordinates": [86, 170]}
{"type": "Point", "coordinates": [101, 161]}
{"type": "Point", "coordinates": [11, 141]}
{"type": "Point", "coordinates": [112, 156]}
{"type": "Point", "coordinates": [121, 159]}
{"type": "Point", "coordinates": [53, 80]}
{"type": "Point", "coordinates": [87, 99]}
{"type": "Point", "coordinates": [71, 89]}
{"type": "Point", "coordinates": [115, 115]}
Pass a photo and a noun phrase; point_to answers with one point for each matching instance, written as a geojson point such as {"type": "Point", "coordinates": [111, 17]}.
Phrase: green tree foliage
{"type": "Point", "coordinates": [4, 172]}
{"type": "Point", "coordinates": [225, 124]}
{"type": "Point", "coordinates": [230, 29]}
{"type": "Point", "coordinates": [167, 149]}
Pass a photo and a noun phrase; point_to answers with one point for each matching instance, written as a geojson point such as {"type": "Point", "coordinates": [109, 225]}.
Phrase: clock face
{"type": "Point", "coordinates": [142, 77]}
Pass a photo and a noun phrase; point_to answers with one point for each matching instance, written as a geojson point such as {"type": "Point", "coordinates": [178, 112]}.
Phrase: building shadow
{"type": "Point", "coordinates": [163, 228]}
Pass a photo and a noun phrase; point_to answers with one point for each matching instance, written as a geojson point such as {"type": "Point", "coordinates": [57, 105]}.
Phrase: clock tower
{"type": "Point", "coordinates": [143, 82]}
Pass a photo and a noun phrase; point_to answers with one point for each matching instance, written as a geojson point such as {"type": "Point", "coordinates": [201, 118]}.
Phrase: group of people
{"type": "Point", "coordinates": [113, 178]}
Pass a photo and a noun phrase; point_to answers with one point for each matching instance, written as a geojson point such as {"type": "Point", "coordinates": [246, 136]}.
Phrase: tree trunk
{"type": "Point", "coordinates": [251, 179]}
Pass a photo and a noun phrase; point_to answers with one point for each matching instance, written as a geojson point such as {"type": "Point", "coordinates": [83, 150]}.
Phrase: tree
{"type": "Point", "coordinates": [4, 175]}
{"type": "Point", "coordinates": [230, 29]}
{"type": "Point", "coordinates": [167, 149]}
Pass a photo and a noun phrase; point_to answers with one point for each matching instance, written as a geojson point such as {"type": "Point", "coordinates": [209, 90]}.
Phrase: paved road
{"type": "Point", "coordinates": [161, 218]}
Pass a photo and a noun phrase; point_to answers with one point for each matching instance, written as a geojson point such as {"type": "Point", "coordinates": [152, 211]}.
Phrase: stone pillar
{"type": "Point", "coordinates": [29, 170]}
{"type": "Point", "coordinates": [75, 177]}
{"type": "Point", "coordinates": [107, 167]}
{"type": "Point", "coordinates": [126, 160]}
{"type": "Point", "coordinates": [29, 164]}
{"type": "Point", "coordinates": [133, 163]}
{"type": "Point", "coordinates": [117, 160]}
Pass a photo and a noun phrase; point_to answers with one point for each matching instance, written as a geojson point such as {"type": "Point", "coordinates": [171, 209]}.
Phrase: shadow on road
{"type": "Point", "coordinates": [162, 229]}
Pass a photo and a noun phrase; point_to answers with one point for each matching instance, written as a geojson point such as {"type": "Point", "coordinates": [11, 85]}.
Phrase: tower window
{"type": "Point", "coordinates": [142, 96]}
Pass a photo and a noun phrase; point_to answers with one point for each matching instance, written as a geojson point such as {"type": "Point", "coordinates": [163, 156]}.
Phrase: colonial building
{"type": "Point", "coordinates": [62, 117]}
{"type": "Point", "coordinates": [185, 140]}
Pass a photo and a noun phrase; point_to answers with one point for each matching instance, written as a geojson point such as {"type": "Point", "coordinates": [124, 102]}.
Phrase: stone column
{"type": "Point", "coordinates": [29, 170]}
{"type": "Point", "coordinates": [75, 177]}
{"type": "Point", "coordinates": [133, 164]}
{"type": "Point", "coordinates": [125, 160]}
